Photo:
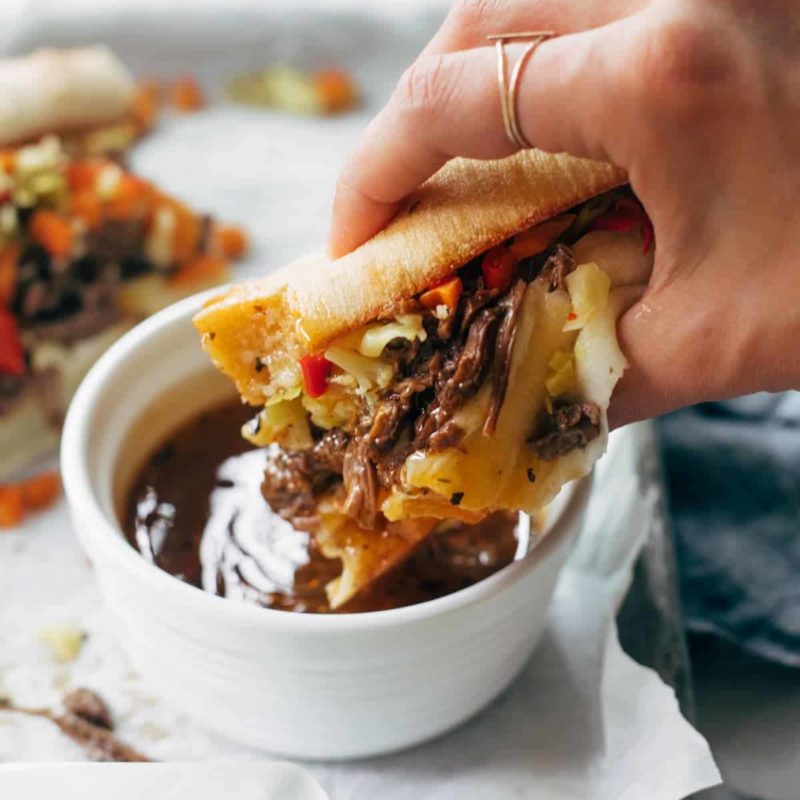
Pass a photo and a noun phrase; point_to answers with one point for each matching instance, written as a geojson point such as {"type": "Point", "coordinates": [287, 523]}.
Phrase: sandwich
{"type": "Point", "coordinates": [83, 94]}
{"type": "Point", "coordinates": [458, 364]}
{"type": "Point", "coordinates": [87, 249]}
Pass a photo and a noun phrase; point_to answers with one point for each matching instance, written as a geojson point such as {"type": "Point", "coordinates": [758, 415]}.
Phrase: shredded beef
{"type": "Point", "coordinates": [292, 480]}
{"type": "Point", "coordinates": [432, 380]}
{"type": "Point", "coordinates": [560, 262]}
{"type": "Point", "coordinates": [115, 240]}
{"type": "Point", "coordinates": [360, 482]}
{"type": "Point", "coordinates": [393, 410]}
{"type": "Point", "coordinates": [461, 378]}
{"type": "Point", "coordinates": [90, 706]}
{"type": "Point", "coordinates": [503, 348]}
{"type": "Point", "coordinates": [571, 425]}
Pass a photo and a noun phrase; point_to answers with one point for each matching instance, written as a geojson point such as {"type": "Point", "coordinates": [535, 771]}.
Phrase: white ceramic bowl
{"type": "Point", "coordinates": [306, 686]}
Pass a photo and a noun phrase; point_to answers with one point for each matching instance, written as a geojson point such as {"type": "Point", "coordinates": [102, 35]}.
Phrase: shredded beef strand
{"type": "Point", "coordinates": [560, 262]}
{"type": "Point", "coordinates": [292, 480]}
{"type": "Point", "coordinates": [570, 426]}
{"type": "Point", "coordinates": [511, 305]}
{"type": "Point", "coordinates": [360, 481]}
{"type": "Point", "coordinates": [90, 706]}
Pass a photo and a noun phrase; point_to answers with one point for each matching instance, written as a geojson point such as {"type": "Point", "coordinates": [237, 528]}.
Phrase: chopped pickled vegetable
{"type": "Point", "coordinates": [12, 506]}
{"type": "Point", "coordinates": [290, 89]}
{"type": "Point", "coordinates": [52, 232]}
{"type": "Point", "coordinates": [200, 269]}
{"type": "Point", "coordinates": [336, 90]}
{"type": "Point", "coordinates": [315, 371]}
{"type": "Point", "coordinates": [9, 255]}
{"type": "Point", "coordinates": [186, 95]}
{"type": "Point", "coordinates": [626, 214]}
{"type": "Point", "coordinates": [145, 104]}
{"type": "Point", "coordinates": [539, 238]}
{"type": "Point", "coordinates": [370, 373]}
{"type": "Point", "coordinates": [41, 491]}
{"type": "Point", "coordinates": [499, 267]}
{"type": "Point", "coordinates": [445, 294]}
{"type": "Point", "coordinates": [231, 240]}
{"type": "Point", "coordinates": [12, 355]}
{"type": "Point", "coordinates": [588, 288]}
{"type": "Point", "coordinates": [560, 373]}
{"type": "Point", "coordinates": [63, 641]}
{"type": "Point", "coordinates": [405, 326]}
{"type": "Point", "coordinates": [285, 423]}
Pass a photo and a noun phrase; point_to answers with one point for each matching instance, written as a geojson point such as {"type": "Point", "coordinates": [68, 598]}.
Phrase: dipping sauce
{"type": "Point", "coordinates": [196, 511]}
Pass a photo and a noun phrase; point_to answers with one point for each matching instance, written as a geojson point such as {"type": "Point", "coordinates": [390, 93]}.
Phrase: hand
{"type": "Point", "coordinates": [699, 101]}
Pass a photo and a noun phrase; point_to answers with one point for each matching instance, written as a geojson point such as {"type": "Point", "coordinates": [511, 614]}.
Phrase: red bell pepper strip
{"type": "Point", "coordinates": [625, 216]}
{"type": "Point", "coordinates": [499, 267]}
{"type": "Point", "coordinates": [12, 355]}
{"type": "Point", "coordinates": [315, 371]}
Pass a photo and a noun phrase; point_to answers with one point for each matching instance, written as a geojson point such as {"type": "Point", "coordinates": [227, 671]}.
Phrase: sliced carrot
{"type": "Point", "coordinates": [200, 269]}
{"type": "Point", "coordinates": [132, 198]}
{"type": "Point", "coordinates": [231, 240]}
{"type": "Point", "coordinates": [7, 160]}
{"type": "Point", "coordinates": [51, 231]}
{"type": "Point", "coordinates": [335, 89]}
{"type": "Point", "coordinates": [445, 294]}
{"type": "Point", "coordinates": [533, 241]}
{"type": "Point", "coordinates": [145, 103]}
{"type": "Point", "coordinates": [186, 94]}
{"type": "Point", "coordinates": [82, 175]}
{"type": "Point", "coordinates": [12, 506]}
{"type": "Point", "coordinates": [9, 254]}
{"type": "Point", "coordinates": [86, 206]}
{"type": "Point", "coordinates": [41, 491]}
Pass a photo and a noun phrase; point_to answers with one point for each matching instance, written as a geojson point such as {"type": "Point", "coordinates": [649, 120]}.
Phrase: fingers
{"type": "Point", "coordinates": [671, 339]}
{"type": "Point", "coordinates": [470, 21]}
{"type": "Point", "coordinates": [448, 105]}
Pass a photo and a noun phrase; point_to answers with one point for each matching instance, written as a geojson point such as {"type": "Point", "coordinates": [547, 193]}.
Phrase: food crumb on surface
{"type": "Point", "coordinates": [64, 642]}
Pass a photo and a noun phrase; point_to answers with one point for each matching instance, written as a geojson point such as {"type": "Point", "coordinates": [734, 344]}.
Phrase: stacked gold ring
{"type": "Point", "coordinates": [509, 86]}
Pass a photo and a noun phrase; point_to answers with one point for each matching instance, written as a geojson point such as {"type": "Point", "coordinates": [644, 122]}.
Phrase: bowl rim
{"type": "Point", "coordinates": [105, 535]}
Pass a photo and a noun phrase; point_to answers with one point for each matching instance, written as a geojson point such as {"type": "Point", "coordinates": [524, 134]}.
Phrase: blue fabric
{"type": "Point", "coordinates": [733, 475]}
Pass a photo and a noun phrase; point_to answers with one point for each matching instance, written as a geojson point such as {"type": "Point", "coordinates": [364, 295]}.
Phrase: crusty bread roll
{"type": "Point", "coordinates": [465, 209]}
{"type": "Point", "coordinates": [61, 91]}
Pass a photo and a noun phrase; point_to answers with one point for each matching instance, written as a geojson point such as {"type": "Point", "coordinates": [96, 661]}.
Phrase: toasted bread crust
{"type": "Point", "coordinates": [466, 208]}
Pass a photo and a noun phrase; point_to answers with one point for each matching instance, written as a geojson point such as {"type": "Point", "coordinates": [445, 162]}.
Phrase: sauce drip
{"type": "Point", "coordinates": [196, 511]}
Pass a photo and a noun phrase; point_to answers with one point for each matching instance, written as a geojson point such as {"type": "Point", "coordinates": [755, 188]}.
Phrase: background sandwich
{"type": "Point", "coordinates": [459, 363]}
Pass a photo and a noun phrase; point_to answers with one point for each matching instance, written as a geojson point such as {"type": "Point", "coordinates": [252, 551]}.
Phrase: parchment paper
{"type": "Point", "coordinates": [584, 720]}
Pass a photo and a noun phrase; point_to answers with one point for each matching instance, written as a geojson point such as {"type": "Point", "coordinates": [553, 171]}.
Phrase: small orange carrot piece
{"type": "Point", "coordinates": [200, 269]}
{"type": "Point", "coordinates": [86, 206]}
{"type": "Point", "coordinates": [8, 273]}
{"type": "Point", "coordinates": [12, 506]}
{"type": "Point", "coordinates": [41, 491]}
{"type": "Point", "coordinates": [145, 104]}
{"type": "Point", "coordinates": [335, 89]}
{"type": "Point", "coordinates": [534, 240]}
{"type": "Point", "coordinates": [51, 231]}
{"type": "Point", "coordinates": [186, 95]}
{"type": "Point", "coordinates": [7, 160]}
{"type": "Point", "coordinates": [231, 240]}
{"type": "Point", "coordinates": [131, 198]}
{"type": "Point", "coordinates": [445, 294]}
{"type": "Point", "coordinates": [82, 175]}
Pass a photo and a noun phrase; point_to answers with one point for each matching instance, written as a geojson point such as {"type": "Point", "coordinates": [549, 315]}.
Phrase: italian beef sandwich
{"type": "Point", "coordinates": [459, 363]}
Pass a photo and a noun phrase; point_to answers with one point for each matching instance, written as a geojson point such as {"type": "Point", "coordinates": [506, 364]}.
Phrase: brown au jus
{"type": "Point", "coordinates": [197, 511]}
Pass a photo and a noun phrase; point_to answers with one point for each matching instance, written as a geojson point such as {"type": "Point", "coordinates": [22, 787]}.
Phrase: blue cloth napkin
{"type": "Point", "coordinates": [733, 475]}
